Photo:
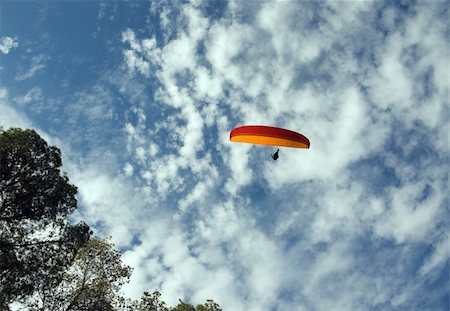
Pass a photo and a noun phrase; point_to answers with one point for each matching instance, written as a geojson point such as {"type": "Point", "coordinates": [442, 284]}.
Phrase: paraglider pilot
{"type": "Point", "coordinates": [275, 155]}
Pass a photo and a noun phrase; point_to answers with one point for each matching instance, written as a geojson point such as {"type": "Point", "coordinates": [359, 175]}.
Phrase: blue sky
{"type": "Point", "coordinates": [141, 98]}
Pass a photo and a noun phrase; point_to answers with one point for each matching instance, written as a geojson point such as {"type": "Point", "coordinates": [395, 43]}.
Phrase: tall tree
{"type": "Point", "coordinates": [37, 242]}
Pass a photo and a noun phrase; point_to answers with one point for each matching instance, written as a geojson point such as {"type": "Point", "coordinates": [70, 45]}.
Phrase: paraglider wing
{"type": "Point", "coordinates": [268, 135]}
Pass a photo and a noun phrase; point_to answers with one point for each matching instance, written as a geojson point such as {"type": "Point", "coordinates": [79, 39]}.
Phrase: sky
{"type": "Point", "coordinates": [141, 97]}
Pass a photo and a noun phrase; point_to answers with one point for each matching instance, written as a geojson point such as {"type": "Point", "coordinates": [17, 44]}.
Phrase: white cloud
{"type": "Point", "coordinates": [134, 62]}
{"type": "Point", "coordinates": [128, 169]}
{"type": "Point", "coordinates": [3, 93]}
{"type": "Point", "coordinates": [294, 65]}
{"type": "Point", "coordinates": [7, 44]}
{"type": "Point", "coordinates": [439, 256]}
{"type": "Point", "coordinates": [411, 218]}
{"type": "Point", "coordinates": [32, 96]}
{"type": "Point", "coordinates": [38, 63]}
{"type": "Point", "coordinates": [104, 194]}
{"type": "Point", "coordinates": [9, 116]}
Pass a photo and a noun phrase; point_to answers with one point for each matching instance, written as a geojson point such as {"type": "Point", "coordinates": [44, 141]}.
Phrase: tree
{"type": "Point", "coordinates": [183, 307]}
{"type": "Point", "coordinates": [37, 242]}
{"type": "Point", "coordinates": [149, 302]}
{"type": "Point", "coordinates": [153, 302]}
{"type": "Point", "coordinates": [210, 305]}
{"type": "Point", "coordinates": [92, 282]}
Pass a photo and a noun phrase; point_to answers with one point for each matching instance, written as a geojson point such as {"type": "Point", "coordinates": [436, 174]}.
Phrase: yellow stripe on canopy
{"type": "Point", "coordinates": [267, 140]}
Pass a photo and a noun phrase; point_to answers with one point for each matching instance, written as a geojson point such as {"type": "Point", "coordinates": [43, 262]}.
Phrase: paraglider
{"type": "Point", "coordinates": [269, 135]}
{"type": "Point", "coordinates": [275, 155]}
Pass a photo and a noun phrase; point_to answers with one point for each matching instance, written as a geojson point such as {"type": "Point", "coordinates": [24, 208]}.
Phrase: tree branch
{"type": "Point", "coordinates": [16, 245]}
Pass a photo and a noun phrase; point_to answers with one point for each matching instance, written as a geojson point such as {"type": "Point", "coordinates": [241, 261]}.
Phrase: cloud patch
{"type": "Point", "coordinates": [7, 44]}
{"type": "Point", "coordinates": [38, 63]}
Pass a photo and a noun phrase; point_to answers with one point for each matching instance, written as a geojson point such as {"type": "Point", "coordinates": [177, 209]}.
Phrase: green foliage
{"type": "Point", "coordinates": [150, 302]}
{"type": "Point", "coordinates": [208, 306]}
{"type": "Point", "coordinates": [31, 182]}
{"type": "Point", "coordinates": [153, 302]}
{"type": "Point", "coordinates": [93, 282]}
{"type": "Point", "coordinates": [36, 241]}
{"type": "Point", "coordinates": [183, 307]}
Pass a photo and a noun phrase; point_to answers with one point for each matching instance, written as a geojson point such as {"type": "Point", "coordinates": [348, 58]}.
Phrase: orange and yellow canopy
{"type": "Point", "coordinates": [268, 135]}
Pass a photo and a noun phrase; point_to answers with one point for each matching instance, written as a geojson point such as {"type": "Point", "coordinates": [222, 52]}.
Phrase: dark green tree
{"type": "Point", "coordinates": [37, 242]}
